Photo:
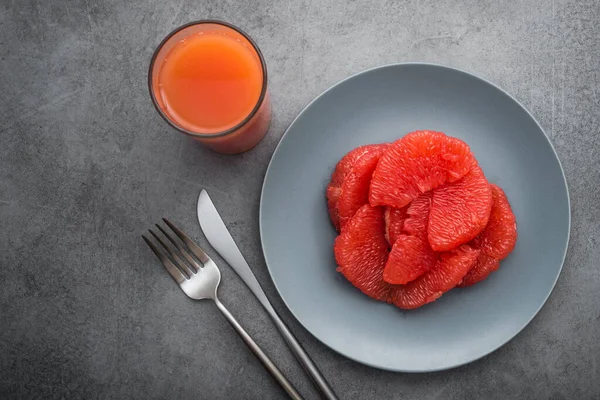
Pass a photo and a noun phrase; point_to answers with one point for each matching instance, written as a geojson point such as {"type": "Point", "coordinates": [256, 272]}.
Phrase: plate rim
{"type": "Point", "coordinates": [472, 75]}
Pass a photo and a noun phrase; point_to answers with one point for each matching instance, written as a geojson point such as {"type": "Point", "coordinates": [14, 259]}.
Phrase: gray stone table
{"type": "Point", "coordinates": [86, 165]}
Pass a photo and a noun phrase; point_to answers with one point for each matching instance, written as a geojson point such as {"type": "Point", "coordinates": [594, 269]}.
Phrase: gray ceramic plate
{"type": "Point", "coordinates": [381, 105]}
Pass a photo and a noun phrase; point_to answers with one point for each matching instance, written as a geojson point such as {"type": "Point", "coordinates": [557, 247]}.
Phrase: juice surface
{"type": "Point", "coordinates": [210, 82]}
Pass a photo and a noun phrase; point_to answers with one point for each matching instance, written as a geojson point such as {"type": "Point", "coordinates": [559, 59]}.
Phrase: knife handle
{"type": "Point", "coordinates": [301, 355]}
{"type": "Point", "coordinates": [307, 363]}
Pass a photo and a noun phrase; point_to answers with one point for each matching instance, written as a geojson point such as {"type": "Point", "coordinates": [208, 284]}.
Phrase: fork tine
{"type": "Point", "coordinates": [175, 273]}
{"type": "Point", "coordinates": [183, 251]}
{"type": "Point", "coordinates": [198, 252]}
{"type": "Point", "coordinates": [179, 263]}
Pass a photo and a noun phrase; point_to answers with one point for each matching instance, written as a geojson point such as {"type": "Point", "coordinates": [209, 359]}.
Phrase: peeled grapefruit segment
{"type": "Point", "coordinates": [410, 258]}
{"type": "Point", "coordinates": [417, 217]}
{"type": "Point", "coordinates": [394, 223]}
{"type": "Point", "coordinates": [411, 254]}
{"type": "Point", "coordinates": [355, 189]}
{"type": "Point", "coordinates": [445, 275]}
{"type": "Point", "coordinates": [344, 166]}
{"type": "Point", "coordinates": [332, 194]}
{"type": "Point", "coordinates": [484, 266]}
{"type": "Point", "coordinates": [459, 211]}
{"type": "Point", "coordinates": [496, 241]}
{"type": "Point", "coordinates": [499, 237]}
{"type": "Point", "coordinates": [343, 169]}
{"type": "Point", "coordinates": [417, 163]}
{"type": "Point", "coordinates": [361, 252]}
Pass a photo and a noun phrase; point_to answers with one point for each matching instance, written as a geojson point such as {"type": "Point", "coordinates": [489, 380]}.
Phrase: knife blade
{"type": "Point", "coordinates": [220, 239]}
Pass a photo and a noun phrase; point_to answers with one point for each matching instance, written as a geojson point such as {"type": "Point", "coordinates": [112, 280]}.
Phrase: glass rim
{"type": "Point", "coordinates": [252, 113]}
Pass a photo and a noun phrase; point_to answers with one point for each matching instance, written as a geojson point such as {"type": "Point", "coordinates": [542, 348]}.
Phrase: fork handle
{"type": "Point", "coordinates": [264, 359]}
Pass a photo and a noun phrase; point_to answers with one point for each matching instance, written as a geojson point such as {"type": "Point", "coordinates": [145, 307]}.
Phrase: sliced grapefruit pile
{"type": "Point", "coordinates": [417, 218]}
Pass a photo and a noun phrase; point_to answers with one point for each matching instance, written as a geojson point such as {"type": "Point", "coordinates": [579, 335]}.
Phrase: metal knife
{"type": "Point", "coordinates": [220, 239]}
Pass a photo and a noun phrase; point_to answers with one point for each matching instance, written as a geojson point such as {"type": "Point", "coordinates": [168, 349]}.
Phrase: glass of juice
{"type": "Point", "coordinates": [208, 79]}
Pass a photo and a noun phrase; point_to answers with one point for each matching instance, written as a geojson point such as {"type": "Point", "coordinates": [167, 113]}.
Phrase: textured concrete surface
{"type": "Point", "coordinates": [86, 165]}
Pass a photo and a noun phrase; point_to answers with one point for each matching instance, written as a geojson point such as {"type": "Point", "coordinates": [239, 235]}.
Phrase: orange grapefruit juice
{"type": "Point", "coordinates": [209, 82]}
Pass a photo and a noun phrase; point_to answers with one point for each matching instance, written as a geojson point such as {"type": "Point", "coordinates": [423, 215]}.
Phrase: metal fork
{"type": "Point", "coordinates": [201, 281]}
